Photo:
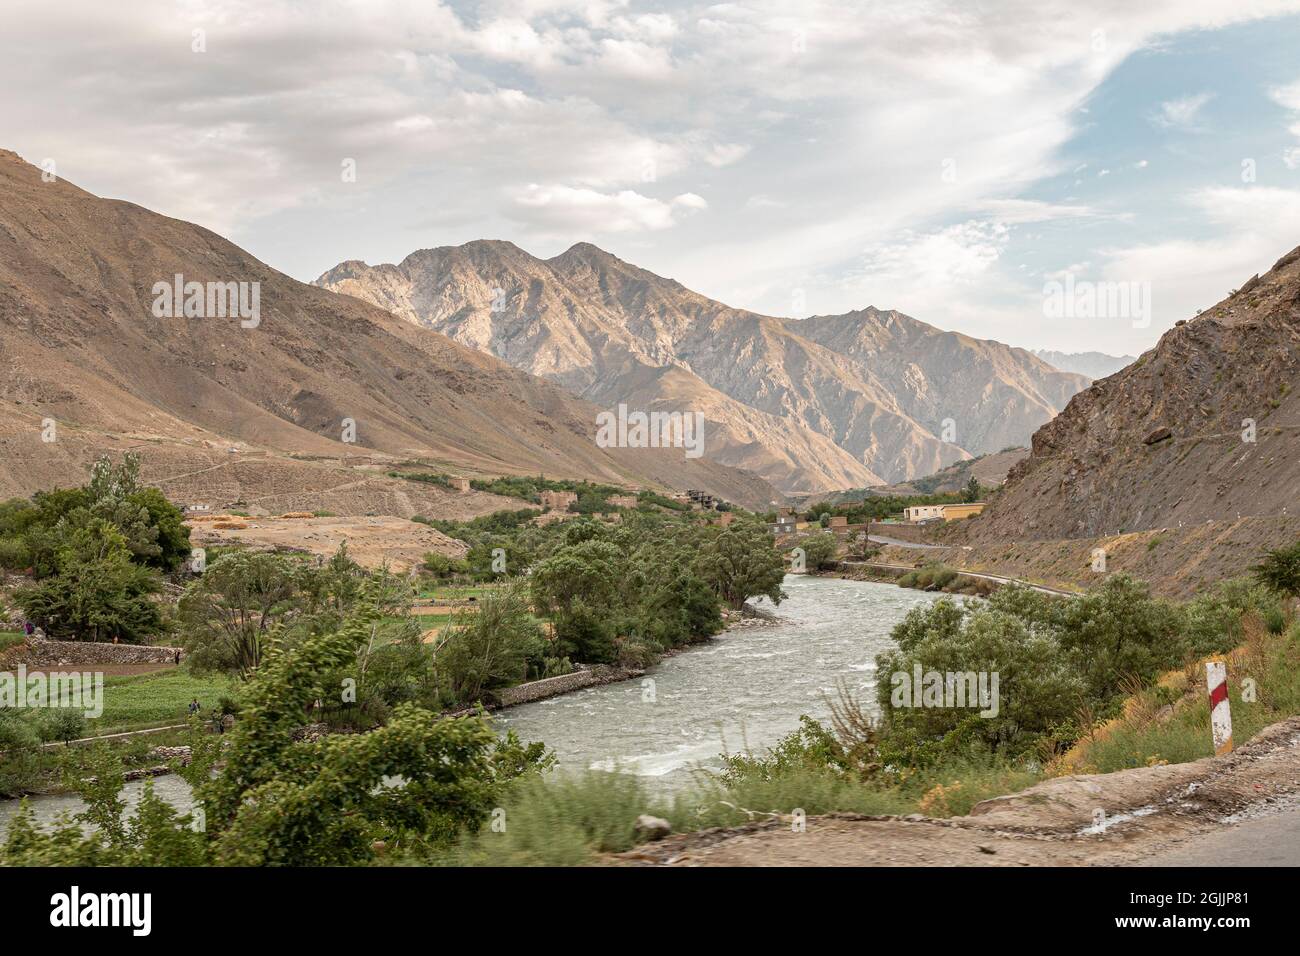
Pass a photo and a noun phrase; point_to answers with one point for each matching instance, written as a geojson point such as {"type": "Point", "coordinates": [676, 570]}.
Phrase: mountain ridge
{"type": "Point", "coordinates": [810, 404]}
{"type": "Point", "coordinates": [82, 346]}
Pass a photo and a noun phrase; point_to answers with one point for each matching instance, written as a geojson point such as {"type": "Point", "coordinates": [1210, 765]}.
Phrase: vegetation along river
{"type": "Point", "coordinates": [744, 690]}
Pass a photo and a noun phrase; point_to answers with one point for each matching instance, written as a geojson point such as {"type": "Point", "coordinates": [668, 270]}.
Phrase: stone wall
{"type": "Point", "coordinates": [563, 684]}
{"type": "Point", "coordinates": [42, 653]}
{"type": "Point", "coordinates": [919, 534]}
{"type": "Point", "coordinates": [546, 687]}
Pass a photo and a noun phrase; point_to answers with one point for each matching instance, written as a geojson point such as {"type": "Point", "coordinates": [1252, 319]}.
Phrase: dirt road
{"type": "Point", "coordinates": [1243, 808]}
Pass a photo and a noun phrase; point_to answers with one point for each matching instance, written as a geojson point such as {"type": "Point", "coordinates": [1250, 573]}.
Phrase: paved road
{"type": "Point", "coordinates": [1267, 841]}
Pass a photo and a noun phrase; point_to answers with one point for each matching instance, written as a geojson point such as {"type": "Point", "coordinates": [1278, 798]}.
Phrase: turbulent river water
{"type": "Point", "coordinates": [744, 690]}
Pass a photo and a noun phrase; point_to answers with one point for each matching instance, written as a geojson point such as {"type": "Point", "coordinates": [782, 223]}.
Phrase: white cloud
{"type": "Point", "coordinates": [1255, 226]}
{"type": "Point", "coordinates": [562, 210]}
{"type": "Point", "coordinates": [524, 119]}
{"type": "Point", "coordinates": [1182, 113]}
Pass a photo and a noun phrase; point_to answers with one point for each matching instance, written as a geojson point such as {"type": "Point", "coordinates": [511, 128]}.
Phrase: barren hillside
{"type": "Point", "coordinates": [1203, 427]}
{"type": "Point", "coordinates": [81, 344]}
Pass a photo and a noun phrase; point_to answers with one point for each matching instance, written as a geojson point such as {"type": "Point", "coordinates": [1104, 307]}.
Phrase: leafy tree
{"type": "Point", "coordinates": [741, 562]}
{"type": "Point", "coordinates": [1037, 689]}
{"type": "Point", "coordinates": [971, 493]}
{"type": "Point", "coordinates": [491, 648]}
{"type": "Point", "coordinates": [443, 567]}
{"type": "Point", "coordinates": [588, 572]}
{"type": "Point", "coordinates": [819, 549]}
{"type": "Point", "coordinates": [63, 724]}
{"type": "Point", "coordinates": [229, 613]}
{"type": "Point", "coordinates": [1118, 631]}
{"type": "Point", "coordinates": [97, 593]}
{"type": "Point", "coordinates": [171, 538]}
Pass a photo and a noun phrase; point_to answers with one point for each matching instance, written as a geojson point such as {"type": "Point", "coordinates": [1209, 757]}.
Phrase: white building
{"type": "Point", "coordinates": [923, 512]}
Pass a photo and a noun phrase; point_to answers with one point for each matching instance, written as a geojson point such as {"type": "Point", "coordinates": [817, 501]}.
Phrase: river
{"type": "Point", "coordinates": [743, 690]}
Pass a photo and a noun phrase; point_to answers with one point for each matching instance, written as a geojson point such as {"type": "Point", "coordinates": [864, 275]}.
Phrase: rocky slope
{"type": "Point", "coordinates": [812, 405]}
{"type": "Point", "coordinates": [81, 345]}
{"type": "Point", "coordinates": [1205, 427]}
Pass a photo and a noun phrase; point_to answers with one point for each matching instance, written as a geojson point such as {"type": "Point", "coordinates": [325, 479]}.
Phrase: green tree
{"type": "Point", "coordinates": [229, 613]}
{"type": "Point", "coordinates": [972, 491]}
{"type": "Point", "coordinates": [97, 593]}
{"type": "Point", "coordinates": [819, 549]}
{"type": "Point", "coordinates": [741, 562]}
{"type": "Point", "coordinates": [492, 648]}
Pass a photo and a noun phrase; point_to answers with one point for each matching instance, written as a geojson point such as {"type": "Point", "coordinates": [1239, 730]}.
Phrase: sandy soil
{"type": "Point", "coordinates": [371, 540]}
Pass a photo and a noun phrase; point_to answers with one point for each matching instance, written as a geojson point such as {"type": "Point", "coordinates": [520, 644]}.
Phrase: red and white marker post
{"type": "Point", "coordinates": [1216, 680]}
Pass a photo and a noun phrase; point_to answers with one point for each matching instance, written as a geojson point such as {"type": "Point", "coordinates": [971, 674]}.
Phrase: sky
{"type": "Point", "coordinates": [984, 167]}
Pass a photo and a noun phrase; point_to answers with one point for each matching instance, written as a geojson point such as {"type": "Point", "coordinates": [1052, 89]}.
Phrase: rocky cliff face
{"type": "Point", "coordinates": [1203, 427]}
{"type": "Point", "coordinates": [812, 405]}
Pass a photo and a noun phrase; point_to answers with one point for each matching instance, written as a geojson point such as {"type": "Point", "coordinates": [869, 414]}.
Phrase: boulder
{"type": "Point", "coordinates": [1159, 435]}
{"type": "Point", "coordinates": [650, 828]}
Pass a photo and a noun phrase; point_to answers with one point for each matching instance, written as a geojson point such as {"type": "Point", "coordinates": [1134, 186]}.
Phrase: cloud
{"type": "Point", "coordinates": [524, 119]}
{"type": "Point", "coordinates": [1254, 226]}
{"type": "Point", "coordinates": [562, 210]}
{"type": "Point", "coordinates": [1288, 97]}
{"type": "Point", "coordinates": [1182, 113]}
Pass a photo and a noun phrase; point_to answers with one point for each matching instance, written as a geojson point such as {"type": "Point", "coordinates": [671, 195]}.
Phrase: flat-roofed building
{"type": "Point", "coordinates": [958, 512]}
{"type": "Point", "coordinates": [923, 512]}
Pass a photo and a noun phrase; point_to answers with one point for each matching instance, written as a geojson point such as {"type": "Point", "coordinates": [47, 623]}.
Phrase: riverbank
{"type": "Point", "coordinates": [598, 675]}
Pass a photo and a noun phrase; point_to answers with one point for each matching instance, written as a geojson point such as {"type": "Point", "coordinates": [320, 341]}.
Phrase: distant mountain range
{"type": "Point", "coordinates": [866, 398]}
{"type": "Point", "coordinates": [258, 411]}
{"type": "Point", "coordinates": [1091, 364]}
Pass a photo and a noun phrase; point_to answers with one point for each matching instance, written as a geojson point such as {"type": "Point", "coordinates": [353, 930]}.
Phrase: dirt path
{"type": "Point", "coordinates": [1229, 810]}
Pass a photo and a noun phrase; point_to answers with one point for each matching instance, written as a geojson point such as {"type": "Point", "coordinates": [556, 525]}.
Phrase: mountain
{"type": "Point", "coordinates": [237, 409]}
{"type": "Point", "coordinates": [1205, 427]}
{"type": "Point", "coordinates": [1091, 364]}
{"type": "Point", "coordinates": [811, 405]}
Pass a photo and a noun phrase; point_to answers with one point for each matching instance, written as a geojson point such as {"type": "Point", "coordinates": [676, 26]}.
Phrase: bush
{"type": "Point", "coordinates": [63, 724]}
{"type": "Point", "coordinates": [493, 648]}
{"type": "Point", "coordinates": [15, 555]}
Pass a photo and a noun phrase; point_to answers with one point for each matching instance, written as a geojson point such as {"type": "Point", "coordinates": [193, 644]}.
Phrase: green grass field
{"type": "Point", "coordinates": [140, 701]}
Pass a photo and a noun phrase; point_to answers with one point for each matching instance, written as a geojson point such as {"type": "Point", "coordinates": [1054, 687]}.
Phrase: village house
{"type": "Point", "coordinates": [918, 513]}
{"type": "Point", "coordinates": [958, 512]}
{"type": "Point", "coordinates": [923, 512]}
{"type": "Point", "coordinates": [558, 500]}
{"type": "Point", "coordinates": [458, 483]}
{"type": "Point", "coordinates": [785, 524]}
{"type": "Point", "coordinates": [622, 501]}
